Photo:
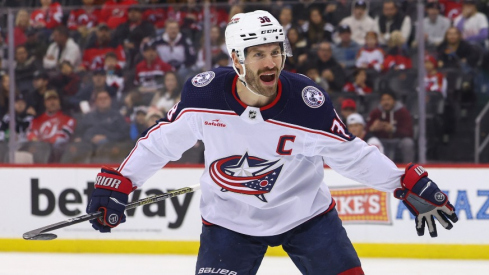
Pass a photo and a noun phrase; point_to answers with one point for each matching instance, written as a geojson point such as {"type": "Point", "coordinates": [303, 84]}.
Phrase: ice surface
{"type": "Point", "coordinates": [121, 264]}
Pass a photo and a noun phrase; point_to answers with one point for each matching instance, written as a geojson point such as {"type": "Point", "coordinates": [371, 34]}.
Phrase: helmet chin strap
{"type": "Point", "coordinates": [242, 78]}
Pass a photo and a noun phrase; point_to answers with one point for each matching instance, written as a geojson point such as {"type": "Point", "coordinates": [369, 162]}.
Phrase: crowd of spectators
{"type": "Point", "coordinates": [92, 75]}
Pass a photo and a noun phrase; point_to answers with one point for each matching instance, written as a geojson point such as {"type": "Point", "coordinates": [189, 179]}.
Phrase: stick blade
{"type": "Point", "coordinates": [39, 237]}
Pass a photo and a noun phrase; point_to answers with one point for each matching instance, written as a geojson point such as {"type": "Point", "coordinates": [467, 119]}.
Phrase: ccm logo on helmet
{"type": "Point", "coordinates": [105, 181]}
{"type": "Point", "coordinates": [269, 31]}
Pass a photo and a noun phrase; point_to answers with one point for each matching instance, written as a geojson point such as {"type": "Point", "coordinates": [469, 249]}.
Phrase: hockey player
{"type": "Point", "coordinates": [266, 133]}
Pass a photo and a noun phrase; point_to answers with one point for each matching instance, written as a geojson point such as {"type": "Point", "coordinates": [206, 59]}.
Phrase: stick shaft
{"type": "Point", "coordinates": [91, 216]}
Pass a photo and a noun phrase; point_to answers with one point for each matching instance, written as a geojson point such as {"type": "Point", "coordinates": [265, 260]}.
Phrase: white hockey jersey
{"type": "Point", "coordinates": [264, 170]}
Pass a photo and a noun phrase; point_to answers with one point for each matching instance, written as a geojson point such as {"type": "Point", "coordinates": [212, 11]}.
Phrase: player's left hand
{"type": "Point", "coordinates": [425, 200]}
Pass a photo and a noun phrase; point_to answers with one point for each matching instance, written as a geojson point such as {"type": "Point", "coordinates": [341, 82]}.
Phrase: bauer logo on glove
{"type": "Point", "coordinates": [425, 200]}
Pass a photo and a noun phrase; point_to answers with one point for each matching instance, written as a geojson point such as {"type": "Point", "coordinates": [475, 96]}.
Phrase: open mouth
{"type": "Point", "coordinates": [268, 78]}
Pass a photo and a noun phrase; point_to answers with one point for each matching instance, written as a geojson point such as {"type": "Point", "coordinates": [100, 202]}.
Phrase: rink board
{"type": "Point", "coordinates": [377, 223]}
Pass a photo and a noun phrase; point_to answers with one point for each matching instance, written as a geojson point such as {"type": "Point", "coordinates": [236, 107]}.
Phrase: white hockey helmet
{"type": "Point", "coordinates": [252, 29]}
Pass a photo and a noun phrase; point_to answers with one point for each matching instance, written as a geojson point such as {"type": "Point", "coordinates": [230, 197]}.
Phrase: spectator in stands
{"type": "Point", "coordinates": [221, 60]}
{"type": "Point", "coordinates": [286, 18]}
{"type": "Point", "coordinates": [23, 120]}
{"type": "Point", "coordinates": [153, 116]}
{"type": "Point", "coordinates": [328, 67]}
{"type": "Point", "coordinates": [99, 46]}
{"type": "Point", "coordinates": [235, 9]}
{"type": "Point", "coordinates": [114, 12]}
{"type": "Point", "coordinates": [132, 100]}
{"type": "Point", "coordinates": [21, 26]}
{"type": "Point", "coordinates": [370, 56]}
{"type": "Point", "coordinates": [164, 99]}
{"type": "Point", "coordinates": [4, 94]}
{"type": "Point", "coordinates": [392, 19]}
{"type": "Point", "coordinates": [131, 33]}
{"type": "Point", "coordinates": [138, 122]}
{"type": "Point", "coordinates": [313, 73]}
{"type": "Point", "coordinates": [346, 50]}
{"type": "Point", "coordinates": [67, 82]}
{"type": "Point", "coordinates": [25, 67]}
{"type": "Point", "coordinates": [348, 107]}
{"type": "Point", "coordinates": [50, 132]}
{"type": "Point", "coordinates": [49, 15]}
{"type": "Point", "coordinates": [62, 49]}
{"type": "Point", "coordinates": [359, 22]}
{"type": "Point", "coordinates": [336, 11]}
{"type": "Point", "coordinates": [175, 49]}
{"type": "Point", "coordinates": [454, 52]}
{"type": "Point", "coordinates": [156, 16]}
{"type": "Point", "coordinates": [89, 89]}
{"type": "Point", "coordinates": [391, 122]}
{"type": "Point", "coordinates": [299, 49]}
{"type": "Point", "coordinates": [36, 97]}
{"type": "Point", "coordinates": [102, 125]}
{"type": "Point", "coordinates": [451, 8]}
{"type": "Point", "coordinates": [356, 126]}
{"type": "Point", "coordinates": [85, 19]}
{"type": "Point", "coordinates": [317, 29]}
{"type": "Point", "coordinates": [218, 46]}
{"type": "Point", "coordinates": [397, 56]}
{"type": "Point", "coordinates": [150, 72]}
{"type": "Point", "coordinates": [434, 81]}
{"type": "Point", "coordinates": [102, 133]}
{"type": "Point", "coordinates": [472, 24]}
{"type": "Point", "coordinates": [35, 46]}
{"type": "Point", "coordinates": [435, 25]}
{"type": "Point", "coordinates": [114, 77]}
{"type": "Point", "coordinates": [359, 85]}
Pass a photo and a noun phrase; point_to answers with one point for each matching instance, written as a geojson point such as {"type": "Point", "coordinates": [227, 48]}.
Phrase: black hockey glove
{"type": "Point", "coordinates": [109, 196]}
{"type": "Point", "coordinates": [425, 200]}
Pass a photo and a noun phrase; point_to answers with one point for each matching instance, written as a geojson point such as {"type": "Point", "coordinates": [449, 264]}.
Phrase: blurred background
{"type": "Point", "coordinates": [82, 79]}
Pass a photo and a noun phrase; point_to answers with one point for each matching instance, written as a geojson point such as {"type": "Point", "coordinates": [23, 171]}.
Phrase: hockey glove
{"type": "Point", "coordinates": [109, 196]}
{"type": "Point", "coordinates": [424, 200]}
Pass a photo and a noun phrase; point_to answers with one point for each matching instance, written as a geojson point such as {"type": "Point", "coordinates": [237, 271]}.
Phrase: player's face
{"type": "Point", "coordinates": [263, 64]}
{"type": "Point", "coordinates": [88, 2]}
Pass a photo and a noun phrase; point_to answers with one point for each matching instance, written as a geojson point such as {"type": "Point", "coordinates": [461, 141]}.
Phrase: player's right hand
{"type": "Point", "coordinates": [109, 196]}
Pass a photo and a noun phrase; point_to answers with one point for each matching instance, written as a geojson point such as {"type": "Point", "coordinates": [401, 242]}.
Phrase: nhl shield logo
{"type": "Point", "coordinates": [313, 97]}
{"type": "Point", "coordinates": [203, 79]}
{"type": "Point", "coordinates": [252, 114]}
{"type": "Point", "coordinates": [246, 174]}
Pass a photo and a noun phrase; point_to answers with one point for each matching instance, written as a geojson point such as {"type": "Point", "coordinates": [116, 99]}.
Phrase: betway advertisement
{"type": "Point", "coordinates": [33, 197]}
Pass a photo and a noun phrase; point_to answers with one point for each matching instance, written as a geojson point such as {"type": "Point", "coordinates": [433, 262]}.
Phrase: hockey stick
{"type": "Point", "coordinates": [40, 233]}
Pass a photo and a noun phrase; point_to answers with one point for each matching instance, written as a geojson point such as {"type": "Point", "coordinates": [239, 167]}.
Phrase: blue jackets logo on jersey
{"type": "Point", "coordinates": [313, 97]}
{"type": "Point", "coordinates": [246, 174]}
{"type": "Point", "coordinates": [202, 79]}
